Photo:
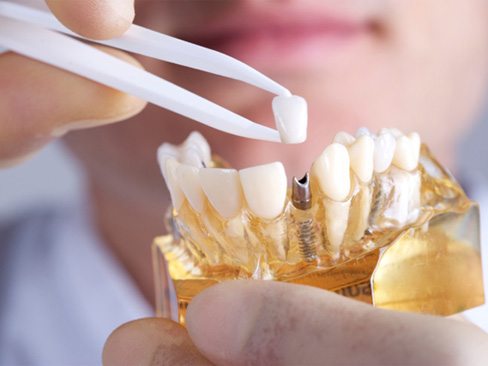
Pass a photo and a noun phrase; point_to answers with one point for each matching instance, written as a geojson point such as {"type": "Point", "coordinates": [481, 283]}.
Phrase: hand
{"type": "Point", "coordinates": [40, 102]}
{"type": "Point", "coordinates": [273, 323]}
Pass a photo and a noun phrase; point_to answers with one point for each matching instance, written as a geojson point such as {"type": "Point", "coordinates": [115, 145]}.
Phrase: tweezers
{"type": "Point", "coordinates": [39, 35]}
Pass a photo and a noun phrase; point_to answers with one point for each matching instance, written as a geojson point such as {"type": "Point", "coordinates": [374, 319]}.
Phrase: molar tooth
{"type": "Point", "coordinates": [344, 138]}
{"type": "Point", "coordinates": [223, 190]}
{"type": "Point", "coordinates": [189, 181]}
{"type": "Point", "coordinates": [407, 151]}
{"type": "Point", "coordinates": [191, 155]}
{"type": "Point", "coordinates": [363, 131]}
{"type": "Point", "coordinates": [384, 150]}
{"type": "Point", "coordinates": [166, 151]}
{"type": "Point", "coordinates": [332, 171]}
{"type": "Point", "coordinates": [361, 154]}
{"type": "Point", "coordinates": [177, 196]}
{"type": "Point", "coordinates": [196, 140]}
{"type": "Point", "coordinates": [291, 117]}
{"type": "Point", "coordinates": [265, 188]}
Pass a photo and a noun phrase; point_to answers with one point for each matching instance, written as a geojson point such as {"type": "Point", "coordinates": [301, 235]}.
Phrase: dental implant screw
{"type": "Point", "coordinates": [301, 198]}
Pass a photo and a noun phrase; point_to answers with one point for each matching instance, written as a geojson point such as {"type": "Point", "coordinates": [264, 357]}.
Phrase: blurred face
{"type": "Point", "coordinates": [413, 64]}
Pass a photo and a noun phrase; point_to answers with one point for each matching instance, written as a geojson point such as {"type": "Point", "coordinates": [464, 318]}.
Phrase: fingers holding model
{"type": "Point", "coordinates": [40, 102]}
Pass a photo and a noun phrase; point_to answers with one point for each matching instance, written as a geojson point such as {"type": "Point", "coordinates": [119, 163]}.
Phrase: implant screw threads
{"type": "Point", "coordinates": [303, 217]}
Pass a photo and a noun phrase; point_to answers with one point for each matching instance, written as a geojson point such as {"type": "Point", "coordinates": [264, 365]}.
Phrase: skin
{"type": "Point", "coordinates": [423, 66]}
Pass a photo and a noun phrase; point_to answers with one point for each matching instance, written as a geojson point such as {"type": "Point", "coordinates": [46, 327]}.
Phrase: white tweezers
{"type": "Point", "coordinates": [38, 34]}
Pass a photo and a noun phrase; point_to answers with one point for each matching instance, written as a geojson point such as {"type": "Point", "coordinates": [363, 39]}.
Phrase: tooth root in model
{"type": "Point", "coordinates": [336, 220]}
{"type": "Point", "coordinates": [362, 219]}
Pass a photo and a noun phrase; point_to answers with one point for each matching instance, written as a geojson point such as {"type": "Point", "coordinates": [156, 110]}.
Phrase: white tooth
{"type": "Point", "coordinates": [265, 188]}
{"type": "Point", "coordinates": [361, 154]}
{"type": "Point", "coordinates": [177, 196]}
{"type": "Point", "coordinates": [363, 131]}
{"type": "Point", "coordinates": [291, 118]}
{"type": "Point", "coordinates": [332, 171]}
{"type": "Point", "coordinates": [200, 143]}
{"type": "Point", "coordinates": [190, 155]}
{"type": "Point", "coordinates": [396, 132]}
{"type": "Point", "coordinates": [336, 219]}
{"type": "Point", "coordinates": [384, 149]}
{"type": "Point", "coordinates": [407, 151]}
{"type": "Point", "coordinates": [166, 151]}
{"type": "Point", "coordinates": [223, 190]}
{"type": "Point", "coordinates": [189, 181]}
{"type": "Point", "coordinates": [344, 138]}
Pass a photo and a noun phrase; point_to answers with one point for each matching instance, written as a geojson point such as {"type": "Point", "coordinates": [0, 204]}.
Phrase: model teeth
{"type": "Point", "coordinates": [291, 118]}
{"type": "Point", "coordinates": [177, 196]}
{"type": "Point", "coordinates": [189, 181]}
{"type": "Point", "coordinates": [407, 151]}
{"type": "Point", "coordinates": [223, 190]}
{"type": "Point", "coordinates": [265, 189]}
{"type": "Point", "coordinates": [341, 209]}
{"type": "Point", "coordinates": [192, 156]}
{"type": "Point", "coordinates": [361, 154]}
{"type": "Point", "coordinates": [384, 150]}
{"type": "Point", "coordinates": [332, 171]}
{"type": "Point", "coordinates": [196, 141]}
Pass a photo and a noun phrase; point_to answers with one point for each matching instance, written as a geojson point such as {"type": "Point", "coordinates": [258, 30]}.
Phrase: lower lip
{"type": "Point", "coordinates": [287, 47]}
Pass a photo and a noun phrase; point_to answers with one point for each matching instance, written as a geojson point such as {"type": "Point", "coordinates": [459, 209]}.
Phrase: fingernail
{"type": "Point", "coordinates": [220, 320]}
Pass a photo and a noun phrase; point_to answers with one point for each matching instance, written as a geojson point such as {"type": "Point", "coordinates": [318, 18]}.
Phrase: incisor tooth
{"type": "Point", "coordinates": [223, 190]}
{"type": "Point", "coordinates": [384, 149]}
{"type": "Point", "coordinates": [189, 181]}
{"type": "Point", "coordinates": [177, 196]}
{"type": "Point", "coordinates": [332, 171]}
{"type": "Point", "coordinates": [407, 151]}
{"type": "Point", "coordinates": [344, 138]}
{"type": "Point", "coordinates": [361, 154]}
{"type": "Point", "coordinates": [199, 142]}
{"type": "Point", "coordinates": [291, 117]}
{"type": "Point", "coordinates": [265, 188]}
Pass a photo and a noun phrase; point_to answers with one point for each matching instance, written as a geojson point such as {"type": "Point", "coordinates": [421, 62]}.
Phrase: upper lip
{"type": "Point", "coordinates": [242, 21]}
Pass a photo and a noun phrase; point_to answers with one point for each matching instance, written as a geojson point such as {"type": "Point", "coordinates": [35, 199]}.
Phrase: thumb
{"type": "Point", "coordinates": [273, 323]}
{"type": "Point", "coordinates": [150, 342]}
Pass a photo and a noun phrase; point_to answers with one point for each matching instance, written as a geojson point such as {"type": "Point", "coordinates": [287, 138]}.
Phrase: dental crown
{"type": "Point", "coordinates": [365, 197]}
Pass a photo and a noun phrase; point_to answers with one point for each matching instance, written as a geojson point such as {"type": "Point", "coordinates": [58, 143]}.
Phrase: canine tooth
{"type": "Point", "coordinates": [196, 140]}
{"type": "Point", "coordinates": [291, 117]}
{"type": "Point", "coordinates": [344, 138]}
{"type": "Point", "coordinates": [190, 155]}
{"type": "Point", "coordinates": [336, 219]}
{"type": "Point", "coordinates": [361, 154]}
{"type": "Point", "coordinates": [189, 181]}
{"type": "Point", "coordinates": [223, 190]}
{"type": "Point", "coordinates": [265, 188]}
{"type": "Point", "coordinates": [332, 171]}
{"type": "Point", "coordinates": [177, 196]}
{"type": "Point", "coordinates": [407, 151]}
{"type": "Point", "coordinates": [384, 150]}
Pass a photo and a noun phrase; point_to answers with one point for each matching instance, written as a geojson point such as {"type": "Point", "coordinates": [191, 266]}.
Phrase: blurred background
{"type": "Point", "coordinates": [53, 177]}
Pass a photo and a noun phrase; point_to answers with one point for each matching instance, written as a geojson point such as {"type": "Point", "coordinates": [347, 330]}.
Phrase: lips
{"type": "Point", "coordinates": [280, 37]}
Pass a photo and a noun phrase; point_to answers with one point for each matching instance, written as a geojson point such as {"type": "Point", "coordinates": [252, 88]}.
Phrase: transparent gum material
{"type": "Point", "coordinates": [412, 243]}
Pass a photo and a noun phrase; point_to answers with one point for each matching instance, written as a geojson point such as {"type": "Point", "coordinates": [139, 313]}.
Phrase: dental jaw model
{"type": "Point", "coordinates": [377, 219]}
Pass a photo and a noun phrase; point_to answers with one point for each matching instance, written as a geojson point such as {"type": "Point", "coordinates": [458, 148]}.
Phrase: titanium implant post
{"type": "Point", "coordinates": [306, 229]}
